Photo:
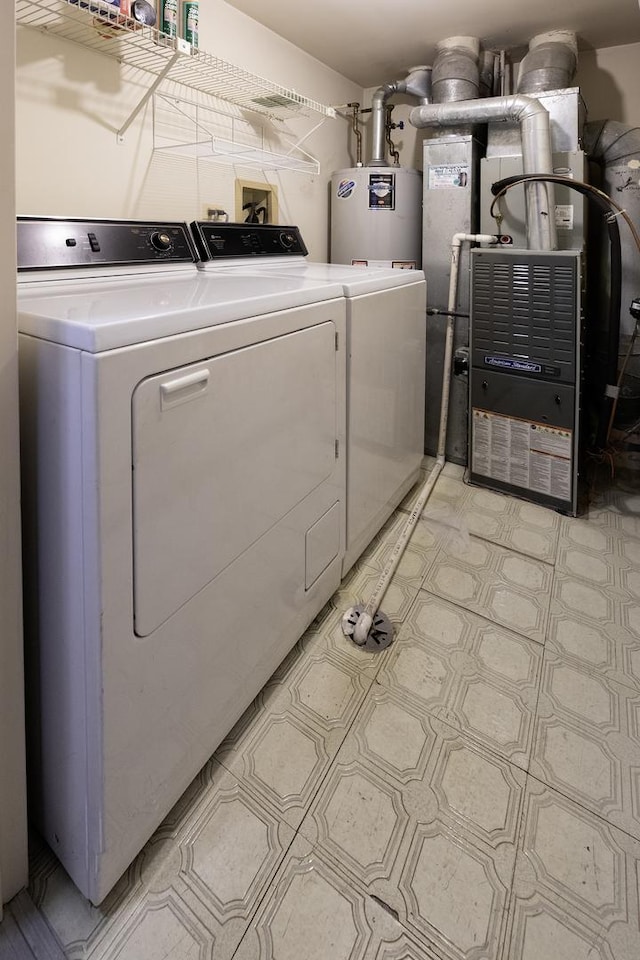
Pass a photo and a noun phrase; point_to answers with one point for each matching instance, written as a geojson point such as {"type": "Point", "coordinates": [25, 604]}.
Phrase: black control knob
{"type": "Point", "coordinates": [287, 240]}
{"type": "Point", "coordinates": [161, 241]}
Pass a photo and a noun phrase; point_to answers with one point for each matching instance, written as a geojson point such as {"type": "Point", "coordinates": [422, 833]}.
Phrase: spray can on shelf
{"type": "Point", "coordinates": [189, 21]}
{"type": "Point", "coordinates": [169, 24]}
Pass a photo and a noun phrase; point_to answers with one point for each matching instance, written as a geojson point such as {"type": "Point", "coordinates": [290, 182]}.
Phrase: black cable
{"type": "Point", "coordinates": [435, 312]}
{"type": "Point", "coordinates": [615, 293]}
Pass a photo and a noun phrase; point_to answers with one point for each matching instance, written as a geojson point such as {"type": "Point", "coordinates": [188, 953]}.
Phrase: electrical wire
{"type": "Point", "coordinates": [563, 181]}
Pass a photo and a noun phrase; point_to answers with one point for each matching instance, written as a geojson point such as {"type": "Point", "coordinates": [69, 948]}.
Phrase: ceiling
{"type": "Point", "coordinates": [371, 41]}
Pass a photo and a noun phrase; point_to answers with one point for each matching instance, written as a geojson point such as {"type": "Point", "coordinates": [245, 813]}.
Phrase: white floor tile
{"type": "Point", "coordinates": [470, 793]}
{"type": "Point", "coordinates": [313, 912]}
{"type": "Point", "coordinates": [473, 674]}
{"type": "Point", "coordinates": [192, 890]}
{"type": "Point", "coordinates": [587, 742]}
{"type": "Point", "coordinates": [506, 587]}
{"type": "Point", "coordinates": [575, 894]}
{"type": "Point", "coordinates": [417, 816]}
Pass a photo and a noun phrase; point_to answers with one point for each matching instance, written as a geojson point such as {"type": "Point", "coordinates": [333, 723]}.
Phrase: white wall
{"type": "Point", "coordinates": [610, 83]}
{"type": "Point", "coordinates": [13, 832]}
{"type": "Point", "coordinates": [71, 102]}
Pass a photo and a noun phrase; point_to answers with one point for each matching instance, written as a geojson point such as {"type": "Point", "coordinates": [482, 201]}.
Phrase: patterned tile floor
{"type": "Point", "coordinates": [472, 793]}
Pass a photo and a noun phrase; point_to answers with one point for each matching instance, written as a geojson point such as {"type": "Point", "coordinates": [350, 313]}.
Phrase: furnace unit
{"type": "Point", "coordinates": [525, 375]}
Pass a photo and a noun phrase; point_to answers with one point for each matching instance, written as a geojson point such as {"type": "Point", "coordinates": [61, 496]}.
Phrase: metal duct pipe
{"type": "Point", "coordinates": [455, 71]}
{"type": "Point", "coordinates": [615, 147]}
{"type": "Point", "coordinates": [487, 72]}
{"type": "Point", "coordinates": [609, 142]}
{"type": "Point", "coordinates": [417, 84]}
{"type": "Point", "coordinates": [550, 63]}
{"type": "Point", "coordinates": [536, 150]}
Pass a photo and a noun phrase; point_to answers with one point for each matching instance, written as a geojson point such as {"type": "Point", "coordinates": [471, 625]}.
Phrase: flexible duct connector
{"type": "Point", "coordinates": [608, 142]}
{"type": "Point", "coordinates": [616, 148]}
{"type": "Point", "coordinates": [417, 84]}
{"type": "Point", "coordinates": [455, 71]}
{"type": "Point", "coordinates": [550, 63]}
{"type": "Point", "coordinates": [536, 150]}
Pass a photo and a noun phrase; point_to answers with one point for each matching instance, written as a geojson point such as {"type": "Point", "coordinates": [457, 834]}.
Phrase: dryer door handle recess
{"type": "Point", "coordinates": [184, 388]}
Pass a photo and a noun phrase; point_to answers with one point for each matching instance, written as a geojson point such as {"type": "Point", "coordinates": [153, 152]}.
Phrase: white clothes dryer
{"type": "Point", "coordinates": [386, 345]}
{"type": "Point", "coordinates": [184, 485]}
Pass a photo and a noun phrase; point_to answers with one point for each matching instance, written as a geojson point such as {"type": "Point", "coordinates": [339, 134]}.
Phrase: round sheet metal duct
{"type": "Point", "coordinates": [615, 148]}
{"type": "Point", "coordinates": [550, 63]}
{"type": "Point", "coordinates": [455, 71]}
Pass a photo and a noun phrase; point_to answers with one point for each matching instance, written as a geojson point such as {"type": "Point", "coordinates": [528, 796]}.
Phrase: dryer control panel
{"type": "Point", "coordinates": [49, 243]}
{"type": "Point", "coordinates": [225, 241]}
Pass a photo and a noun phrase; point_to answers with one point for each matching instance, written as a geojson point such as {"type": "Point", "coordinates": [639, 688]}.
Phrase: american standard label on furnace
{"type": "Point", "coordinates": [507, 363]}
{"type": "Point", "coordinates": [522, 453]}
{"type": "Point", "coordinates": [522, 366]}
{"type": "Point", "coordinates": [445, 175]}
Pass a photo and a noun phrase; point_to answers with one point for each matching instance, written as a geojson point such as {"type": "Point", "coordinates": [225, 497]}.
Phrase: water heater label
{"type": "Point", "coordinates": [382, 191]}
{"type": "Point", "coordinates": [522, 453]}
{"type": "Point", "coordinates": [345, 189]}
{"type": "Point", "coordinates": [447, 175]}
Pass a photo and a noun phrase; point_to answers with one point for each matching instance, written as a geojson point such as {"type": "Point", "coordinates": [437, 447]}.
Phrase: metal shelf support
{"type": "Point", "coordinates": [147, 96]}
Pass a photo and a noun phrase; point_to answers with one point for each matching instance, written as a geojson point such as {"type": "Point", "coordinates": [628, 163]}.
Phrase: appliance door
{"type": "Point", "coordinates": [223, 450]}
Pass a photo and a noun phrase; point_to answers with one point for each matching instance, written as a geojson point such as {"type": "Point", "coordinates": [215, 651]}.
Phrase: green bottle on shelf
{"type": "Point", "coordinates": [169, 24]}
{"type": "Point", "coordinates": [189, 22]}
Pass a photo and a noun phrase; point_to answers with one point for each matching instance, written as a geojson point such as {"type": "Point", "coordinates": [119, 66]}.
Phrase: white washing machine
{"type": "Point", "coordinates": [386, 343]}
{"type": "Point", "coordinates": [184, 485]}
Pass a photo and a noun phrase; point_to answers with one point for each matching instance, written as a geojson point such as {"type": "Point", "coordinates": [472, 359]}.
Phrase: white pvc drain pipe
{"type": "Point", "coordinates": [365, 620]}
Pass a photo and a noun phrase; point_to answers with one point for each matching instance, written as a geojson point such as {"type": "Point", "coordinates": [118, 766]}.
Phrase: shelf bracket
{"type": "Point", "coordinates": [148, 95]}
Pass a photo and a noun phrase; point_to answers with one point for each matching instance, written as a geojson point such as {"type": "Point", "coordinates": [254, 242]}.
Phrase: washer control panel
{"type": "Point", "coordinates": [226, 241]}
{"type": "Point", "coordinates": [48, 243]}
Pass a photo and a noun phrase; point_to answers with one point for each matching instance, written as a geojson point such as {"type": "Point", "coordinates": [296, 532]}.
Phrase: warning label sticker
{"type": "Point", "coordinates": [564, 216]}
{"type": "Point", "coordinates": [382, 191]}
{"type": "Point", "coordinates": [523, 453]}
{"type": "Point", "coordinates": [447, 175]}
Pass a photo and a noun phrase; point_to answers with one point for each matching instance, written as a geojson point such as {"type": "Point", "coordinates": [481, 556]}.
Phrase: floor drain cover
{"type": "Point", "coordinates": [380, 635]}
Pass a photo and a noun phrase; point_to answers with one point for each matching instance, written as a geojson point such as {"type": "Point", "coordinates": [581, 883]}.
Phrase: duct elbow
{"type": "Point", "coordinates": [382, 94]}
{"type": "Point", "coordinates": [522, 108]}
{"type": "Point", "coordinates": [519, 108]}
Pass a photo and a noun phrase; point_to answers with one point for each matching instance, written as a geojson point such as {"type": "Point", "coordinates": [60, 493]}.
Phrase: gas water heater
{"type": "Point", "coordinates": [376, 217]}
{"type": "Point", "coordinates": [376, 210]}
